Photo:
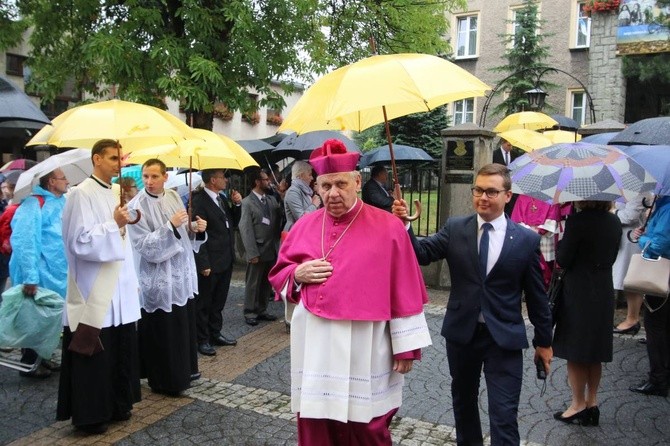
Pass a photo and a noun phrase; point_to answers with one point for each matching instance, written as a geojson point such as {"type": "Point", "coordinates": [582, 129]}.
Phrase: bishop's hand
{"type": "Point", "coordinates": [313, 271]}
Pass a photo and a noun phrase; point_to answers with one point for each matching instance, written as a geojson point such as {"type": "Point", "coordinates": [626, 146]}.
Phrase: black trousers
{"type": "Point", "coordinates": [94, 389]}
{"type": "Point", "coordinates": [657, 326]}
{"type": "Point", "coordinates": [503, 371]}
{"type": "Point", "coordinates": [210, 302]}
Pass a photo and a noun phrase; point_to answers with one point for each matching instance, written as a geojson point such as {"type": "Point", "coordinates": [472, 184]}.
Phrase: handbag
{"type": "Point", "coordinates": [555, 292]}
{"type": "Point", "coordinates": [648, 276]}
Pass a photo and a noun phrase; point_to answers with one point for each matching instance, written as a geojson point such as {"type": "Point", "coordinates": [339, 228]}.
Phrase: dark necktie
{"type": "Point", "coordinates": [506, 157]}
{"type": "Point", "coordinates": [484, 248]}
{"type": "Point", "coordinates": [266, 207]}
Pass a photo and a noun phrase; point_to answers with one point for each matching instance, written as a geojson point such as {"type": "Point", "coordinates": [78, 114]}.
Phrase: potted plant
{"type": "Point", "coordinates": [274, 119]}
{"type": "Point", "coordinates": [222, 112]}
{"type": "Point", "coordinates": [601, 5]}
{"type": "Point", "coordinates": [252, 118]}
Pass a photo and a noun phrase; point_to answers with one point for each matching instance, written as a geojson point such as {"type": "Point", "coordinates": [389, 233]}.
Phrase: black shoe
{"type": "Point", "coordinates": [222, 340]}
{"type": "Point", "coordinates": [206, 349]}
{"type": "Point", "coordinates": [125, 416]}
{"type": "Point", "coordinates": [632, 330]}
{"type": "Point", "coordinates": [195, 376]}
{"type": "Point", "coordinates": [648, 388]}
{"type": "Point", "coordinates": [593, 417]}
{"type": "Point", "coordinates": [580, 417]}
{"type": "Point", "coordinates": [642, 341]}
{"type": "Point", "coordinates": [251, 321]}
{"type": "Point", "coordinates": [266, 317]}
{"type": "Point", "coordinates": [93, 429]}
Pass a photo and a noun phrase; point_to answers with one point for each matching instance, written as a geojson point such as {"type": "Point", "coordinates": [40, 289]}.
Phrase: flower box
{"type": "Point", "coordinates": [601, 5]}
{"type": "Point", "coordinates": [222, 112]}
{"type": "Point", "coordinates": [252, 118]}
{"type": "Point", "coordinates": [274, 119]}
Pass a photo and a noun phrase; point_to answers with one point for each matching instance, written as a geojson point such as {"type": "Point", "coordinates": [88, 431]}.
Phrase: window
{"type": "Point", "coordinates": [15, 64]}
{"type": "Point", "coordinates": [466, 38]}
{"type": "Point", "coordinates": [582, 27]}
{"type": "Point", "coordinates": [55, 108]}
{"type": "Point", "coordinates": [578, 106]}
{"type": "Point", "coordinates": [463, 111]}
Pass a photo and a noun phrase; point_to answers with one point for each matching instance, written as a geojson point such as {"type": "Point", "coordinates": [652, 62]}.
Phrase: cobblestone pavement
{"type": "Point", "coordinates": [243, 399]}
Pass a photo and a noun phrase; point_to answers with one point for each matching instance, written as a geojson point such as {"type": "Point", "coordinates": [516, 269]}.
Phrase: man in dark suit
{"type": "Point", "coordinates": [374, 191]}
{"type": "Point", "coordinates": [259, 229]}
{"type": "Point", "coordinates": [215, 259]}
{"type": "Point", "coordinates": [484, 325]}
{"type": "Point", "coordinates": [505, 155]}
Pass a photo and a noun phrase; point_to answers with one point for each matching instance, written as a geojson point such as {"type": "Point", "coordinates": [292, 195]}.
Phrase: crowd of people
{"type": "Point", "coordinates": [144, 297]}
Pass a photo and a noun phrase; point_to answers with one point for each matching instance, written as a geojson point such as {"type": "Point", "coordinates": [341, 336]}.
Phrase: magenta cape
{"type": "Point", "coordinates": [534, 212]}
{"type": "Point", "coordinates": [375, 277]}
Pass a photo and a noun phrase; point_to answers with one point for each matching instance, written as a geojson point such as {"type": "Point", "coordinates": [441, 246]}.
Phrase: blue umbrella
{"type": "Point", "coordinates": [599, 138]}
{"type": "Point", "coordinates": [301, 146]}
{"type": "Point", "coordinates": [565, 123]}
{"type": "Point", "coordinates": [17, 107]}
{"type": "Point", "coordinates": [403, 154]}
{"type": "Point", "coordinates": [656, 160]}
{"type": "Point", "coordinates": [651, 131]}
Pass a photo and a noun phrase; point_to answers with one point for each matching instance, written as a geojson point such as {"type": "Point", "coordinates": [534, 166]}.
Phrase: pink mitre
{"type": "Point", "coordinates": [332, 157]}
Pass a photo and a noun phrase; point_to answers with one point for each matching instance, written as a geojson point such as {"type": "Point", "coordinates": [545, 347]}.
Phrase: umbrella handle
{"type": "Point", "coordinates": [397, 194]}
{"type": "Point", "coordinates": [139, 216]}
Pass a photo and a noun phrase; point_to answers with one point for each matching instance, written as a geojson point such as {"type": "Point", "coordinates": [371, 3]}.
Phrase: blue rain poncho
{"type": "Point", "coordinates": [38, 253]}
{"type": "Point", "coordinates": [35, 322]}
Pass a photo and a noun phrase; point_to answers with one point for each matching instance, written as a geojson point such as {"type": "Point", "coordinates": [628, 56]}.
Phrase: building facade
{"type": "Point", "coordinates": [582, 43]}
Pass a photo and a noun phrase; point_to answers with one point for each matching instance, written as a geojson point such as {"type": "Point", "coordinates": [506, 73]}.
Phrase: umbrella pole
{"type": "Point", "coordinates": [190, 194]}
{"type": "Point", "coordinates": [397, 194]}
{"type": "Point", "coordinates": [121, 200]}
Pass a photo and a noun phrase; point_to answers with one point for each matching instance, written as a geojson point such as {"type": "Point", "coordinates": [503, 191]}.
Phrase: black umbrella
{"type": "Point", "coordinates": [565, 123]}
{"type": "Point", "coordinates": [652, 131]}
{"type": "Point", "coordinates": [301, 146]}
{"type": "Point", "coordinates": [16, 106]}
{"type": "Point", "coordinates": [403, 155]}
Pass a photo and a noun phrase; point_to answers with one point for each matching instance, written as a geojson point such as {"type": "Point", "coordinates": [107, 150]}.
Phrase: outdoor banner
{"type": "Point", "coordinates": [641, 27]}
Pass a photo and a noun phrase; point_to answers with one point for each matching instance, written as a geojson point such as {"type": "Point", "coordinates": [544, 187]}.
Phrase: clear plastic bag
{"type": "Point", "coordinates": [31, 322]}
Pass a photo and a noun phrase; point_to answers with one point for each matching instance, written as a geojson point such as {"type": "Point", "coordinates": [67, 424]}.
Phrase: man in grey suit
{"type": "Point", "coordinates": [259, 228]}
{"type": "Point", "coordinates": [484, 326]}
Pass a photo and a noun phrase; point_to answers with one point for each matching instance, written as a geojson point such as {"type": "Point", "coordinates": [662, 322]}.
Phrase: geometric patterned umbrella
{"type": "Point", "coordinates": [579, 171]}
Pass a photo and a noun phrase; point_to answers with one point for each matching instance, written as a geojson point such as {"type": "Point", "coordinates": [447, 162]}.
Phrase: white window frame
{"type": "Point", "coordinates": [512, 24]}
{"type": "Point", "coordinates": [469, 52]}
{"type": "Point", "coordinates": [582, 109]}
{"type": "Point", "coordinates": [579, 18]}
{"type": "Point", "coordinates": [463, 112]}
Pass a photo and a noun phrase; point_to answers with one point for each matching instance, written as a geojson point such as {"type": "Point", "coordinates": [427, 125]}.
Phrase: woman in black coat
{"type": "Point", "coordinates": [583, 333]}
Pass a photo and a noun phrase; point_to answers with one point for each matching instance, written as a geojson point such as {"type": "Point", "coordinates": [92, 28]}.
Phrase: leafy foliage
{"type": "Point", "coordinates": [525, 60]}
{"type": "Point", "coordinates": [200, 52]}
{"type": "Point", "coordinates": [420, 130]}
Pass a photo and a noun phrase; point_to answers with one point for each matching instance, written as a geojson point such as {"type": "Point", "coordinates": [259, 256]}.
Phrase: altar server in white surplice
{"type": "Point", "coordinates": [168, 279]}
{"type": "Point", "coordinates": [99, 380]}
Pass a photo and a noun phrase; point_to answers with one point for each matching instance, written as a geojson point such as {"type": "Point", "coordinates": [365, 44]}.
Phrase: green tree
{"type": "Point", "coordinates": [420, 130]}
{"type": "Point", "coordinates": [525, 59]}
{"type": "Point", "coordinates": [201, 52]}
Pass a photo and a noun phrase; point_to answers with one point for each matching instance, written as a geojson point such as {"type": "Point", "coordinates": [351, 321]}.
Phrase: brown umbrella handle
{"type": "Point", "coordinates": [397, 194]}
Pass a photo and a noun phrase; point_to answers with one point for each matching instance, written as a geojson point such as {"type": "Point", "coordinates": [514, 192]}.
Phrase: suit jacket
{"type": "Point", "coordinates": [218, 252]}
{"type": "Point", "coordinates": [498, 296]}
{"type": "Point", "coordinates": [498, 156]}
{"type": "Point", "coordinates": [259, 239]}
{"type": "Point", "coordinates": [374, 195]}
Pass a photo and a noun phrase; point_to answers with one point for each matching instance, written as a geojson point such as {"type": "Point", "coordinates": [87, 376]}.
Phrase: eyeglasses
{"type": "Point", "coordinates": [60, 178]}
{"type": "Point", "coordinates": [490, 193]}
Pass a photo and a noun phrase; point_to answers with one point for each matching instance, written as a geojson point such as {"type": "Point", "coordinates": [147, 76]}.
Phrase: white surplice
{"type": "Point", "coordinates": [344, 370]}
{"type": "Point", "coordinates": [92, 237]}
{"type": "Point", "coordinates": [165, 264]}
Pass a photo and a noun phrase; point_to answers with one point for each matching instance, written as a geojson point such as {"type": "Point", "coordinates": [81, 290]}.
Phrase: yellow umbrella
{"type": "Point", "coordinates": [209, 151]}
{"type": "Point", "coordinates": [526, 120]}
{"type": "Point", "coordinates": [135, 125]}
{"type": "Point", "coordinates": [562, 136]}
{"type": "Point", "coordinates": [378, 88]}
{"type": "Point", "coordinates": [527, 140]}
